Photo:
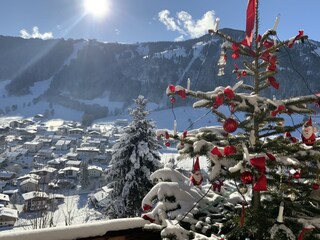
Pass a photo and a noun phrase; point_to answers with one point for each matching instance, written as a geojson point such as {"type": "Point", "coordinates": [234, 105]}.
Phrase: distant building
{"type": "Point", "coordinates": [63, 145]}
{"type": "Point", "coordinates": [29, 185]}
{"type": "Point", "coordinates": [4, 199]}
{"type": "Point", "coordinates": [33, 146]}
{"type": "Point", "coordinates": [88, 153]}
{"type": "Point", "coordinates": [8, 216]}
{"type": "Point", "coordinates": [35, 200]}
{"type": "Point", "coordinates": [95, 171]}
{"type": "Point", "coordinates": [69, 172]}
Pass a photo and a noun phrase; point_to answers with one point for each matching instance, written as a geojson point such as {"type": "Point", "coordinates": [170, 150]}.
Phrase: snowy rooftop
{"type": "Point", "coordinates": [33, 194]}
{"type": "Point", "coordinates": [8, 212]}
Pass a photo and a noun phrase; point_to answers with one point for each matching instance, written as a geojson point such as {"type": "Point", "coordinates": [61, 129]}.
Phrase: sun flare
{"type": "Point", "coordinates": [97, 8]}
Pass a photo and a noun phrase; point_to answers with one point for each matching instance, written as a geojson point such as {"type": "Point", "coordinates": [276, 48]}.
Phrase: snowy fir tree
{"type": "Point", "coordinates": [84, 180]}
{"type": "Point", "coordinates": [134, 158]}
{"type": "Point", "coordinates": [263, 181]}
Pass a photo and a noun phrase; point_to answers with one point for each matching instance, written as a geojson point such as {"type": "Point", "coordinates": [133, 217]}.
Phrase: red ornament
{"type": "Point", "coordinates": [297, 175]}
{"type": "Point", "coordinates": [167, 144]}
{"type": "Point", "coordinates": [172, 100]}
{"type": "Point", "coordinates": [229, 150]}
{"type": "Point", "coordinates": [246, 177]}
{"type": "Point", "coordinates": [315, 186]}
{"type": "Point", "coordinates": [230, 125]}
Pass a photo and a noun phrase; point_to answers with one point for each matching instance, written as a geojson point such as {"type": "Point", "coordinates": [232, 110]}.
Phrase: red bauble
{"type": "Point", "coordinates": [315, 186]}
{"type": "Point", "coordinates": [167, 144]}
{"type": "Point", "coordinates": [297, 175]}
{"type": "Point", "coordinates": [172, 100]}
{"type": "Point", "coordinates": [246, 177]}
{"type": "Point", "coordinates": [230, 125]}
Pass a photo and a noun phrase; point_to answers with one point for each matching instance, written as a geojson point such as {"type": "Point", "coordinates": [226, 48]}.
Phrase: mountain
{"type": "Point", "coordinates": [87, 75]}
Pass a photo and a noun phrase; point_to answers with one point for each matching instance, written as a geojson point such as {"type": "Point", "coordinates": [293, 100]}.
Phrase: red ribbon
{"type": "Point", "coordinates": [219, 101]}
{"type": "Point", "coordinates": [229, 93]}
{"type": "Point", "coordinates": [288, 135]}
{"type": "Point", "coordinates": [181, 92]}
{"type": "Point", "coordinates": [260, 164]}
{"type": "Point", "coordinates": [250, 18]}
{"type": "Point", "coordinates": [216, 151]}
{"type": "Point", "coordinates": [300, 237]}
{"type": "Point", "coordinates": [270, 156]}
{"type": "Point", "coordinates": [291, 42]}
{"type": "Point", "coordinates": [272, 81]}
{"type": "Point", "coordinates": [228, 150]}
{"type": "Point", "coordinates": [279, 109]}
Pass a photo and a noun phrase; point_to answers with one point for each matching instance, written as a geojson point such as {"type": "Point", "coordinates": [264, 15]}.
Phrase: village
{"type": "Point", "coordinates": [45, 165]}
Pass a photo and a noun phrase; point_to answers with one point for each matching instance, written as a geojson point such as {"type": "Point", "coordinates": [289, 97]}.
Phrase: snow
{"type": "Point", "coordinates": [75, 231]}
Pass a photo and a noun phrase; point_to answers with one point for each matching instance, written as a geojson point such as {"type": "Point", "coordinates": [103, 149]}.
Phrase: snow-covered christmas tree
{"type": "Point", "coordinates": [135, 157]}
{"type": "Point", "coordinates": [254, 152]}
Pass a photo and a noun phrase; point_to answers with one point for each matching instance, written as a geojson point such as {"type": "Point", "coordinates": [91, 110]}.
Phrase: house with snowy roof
{"type": "Point", "coordinates": [29, 185]}
{"type": "Point", "coordinates": [100, 199]}
{"type": "Point", "coordinates": [57, 163]}
{"type": "Point", "coordinates": [35, 200]}
{"type": "Point", "coordinates": [95, 171]}
{"type": "Point", "coordinates": [4, 199]}
{"type": "Point", "coordinates": [46, 173]}
{"type": "Point", "coordinates": [33, 147]}
{"type": "Point", "coordinates": [69, 172]}
{"type": "Point", "coordinates": [8, 217]}
{"type": "Point", "coordinates": [5, 175]}
{"type": "Point", "coordinates": [88, 153]}
{"type": "Point", "coordinates": [72, 156]}
{"type": "Point", "coordinates": [73, 163]}
{"type": "Point", "coordinates": [63, 145]}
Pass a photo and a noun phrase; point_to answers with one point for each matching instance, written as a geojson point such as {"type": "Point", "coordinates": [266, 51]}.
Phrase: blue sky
{"type": "Point", "coordinates": [151, 20]}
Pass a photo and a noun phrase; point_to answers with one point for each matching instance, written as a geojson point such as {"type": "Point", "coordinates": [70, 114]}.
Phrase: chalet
{"type": "Point", "coordinates": [27, 176]}
{"type": "Point", "coordinates": [38, 117]}
{"type": "Point", "coordinates": [33, 146]}
{"type": "Point", "coordinates": [46, 174]}
{"type": "Point", "coordinates": [72, 163]}
{"type": "Point", "coordinates": [57, 163]}
{"type": "Point", "coordinates": [8, 216]}
{"type": "Point", "coordinates": [63, 130]}
{"type": "Point", "coordinates": [100, 199]}
{"type": "Point", "coordinates": [72, 156]}
{"type": "Point", "coordinates": [44, 154]}
{"type": "Point", "coordinates": [35, 200]}
{"type": "Point", "coordinates": [95, 171]}
{"type": "Point", "coordinates": [46, 142]}
{"type": "Point", "coordinates": [5, 175]}
{"type": "Point", "coordinates": [55, 199]}
{"type": "Point", "coordinates": [26, 135]}
{"type": "Point", "coordinates": [88, 153]}
{"type": "Point", "coordinates": [76, 132]}
{"type": "Point", "coordinates": [4, 199]}
{"type": "Point", "coordinates": [63, 145]}
{"type": "Point", "coordinates": [29, 185]}
{"type": "Point", "coordinates": [15, 124]}
{"type": "Point", "coordinates": [69, 172]}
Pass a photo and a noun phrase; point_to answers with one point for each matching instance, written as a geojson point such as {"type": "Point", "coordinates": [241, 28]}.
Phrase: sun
{"type": "Point", "coordinates": [97, 8]}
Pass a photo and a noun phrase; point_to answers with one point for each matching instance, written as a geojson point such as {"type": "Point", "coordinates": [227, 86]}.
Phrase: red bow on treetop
{"type": "Point", "coordinates": [178, 90]}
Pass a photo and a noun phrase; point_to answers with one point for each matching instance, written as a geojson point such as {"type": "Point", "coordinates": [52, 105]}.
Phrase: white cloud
{"type": "Point", "coordinates": [185, 25]}
{"type": "Point", "coordinates": [179, 39]}
{"type": "Point", "coordinates": [35, 34]}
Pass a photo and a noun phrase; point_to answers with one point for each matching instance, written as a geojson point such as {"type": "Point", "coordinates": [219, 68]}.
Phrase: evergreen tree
{"type": "Point", "coordinates": [84, 180]}
{"type": "Point", "coordinates": [134, 158]}
{"type": "Point", "coordinates": [278, 174]}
